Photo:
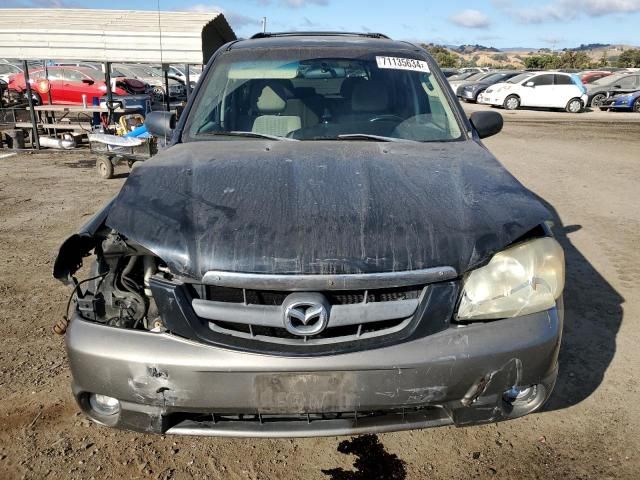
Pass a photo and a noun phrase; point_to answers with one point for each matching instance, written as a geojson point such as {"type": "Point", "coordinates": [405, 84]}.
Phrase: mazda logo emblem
{"type": "Point", "coordinates": [305, 314]}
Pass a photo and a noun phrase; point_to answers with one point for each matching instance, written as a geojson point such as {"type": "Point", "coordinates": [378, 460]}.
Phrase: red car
{"type": "Point", "coordinates": [590, 77]}
{"type": "Point", "coordinates": [67, 85]}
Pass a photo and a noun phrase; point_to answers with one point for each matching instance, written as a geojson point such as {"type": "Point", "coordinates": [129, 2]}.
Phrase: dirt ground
{"type": "Point", "coordinates": [587, 172]}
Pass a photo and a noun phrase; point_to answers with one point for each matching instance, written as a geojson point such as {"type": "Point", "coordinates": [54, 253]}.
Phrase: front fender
{"type": "Point", "coordinates": [78, 246]}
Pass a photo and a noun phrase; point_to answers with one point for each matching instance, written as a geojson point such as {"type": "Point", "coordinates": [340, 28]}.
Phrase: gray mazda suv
{"type": "Point", "coordinates": [325, 248]}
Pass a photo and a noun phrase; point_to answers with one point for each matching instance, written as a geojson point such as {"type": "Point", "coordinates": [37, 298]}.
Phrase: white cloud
{"type": "Point", "coordinates": [564, 10]}
{"type": "Point", "coordinates": [470, 19]}
{"type": "Point", "coordinates": [236, 20]}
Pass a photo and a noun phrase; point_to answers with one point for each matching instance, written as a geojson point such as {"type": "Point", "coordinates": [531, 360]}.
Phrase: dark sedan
{"type": "Point", "coordinates": [615, 84]}
{"type": "Point", "coordinates": [470, 91]}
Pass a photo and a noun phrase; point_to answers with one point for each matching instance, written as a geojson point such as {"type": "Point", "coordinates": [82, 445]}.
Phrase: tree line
{"type": "Point", "coordinates": [567, 59]}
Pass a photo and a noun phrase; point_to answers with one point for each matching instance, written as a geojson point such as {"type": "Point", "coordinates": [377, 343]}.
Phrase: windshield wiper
{"type": "Point", "coordinates": [375, 138]}
{"type": "Point", "coordinates": [250, 135]}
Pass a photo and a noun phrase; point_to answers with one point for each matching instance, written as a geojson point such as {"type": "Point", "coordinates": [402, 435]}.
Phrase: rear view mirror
{"type": "Point", "coordinates": [486, 123]}
{"type": "Point", "coordinates": [160, 124]}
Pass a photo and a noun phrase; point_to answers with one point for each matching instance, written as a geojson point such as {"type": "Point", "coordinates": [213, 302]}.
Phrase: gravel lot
{"type": "Point", "coordinates": [586, 168]}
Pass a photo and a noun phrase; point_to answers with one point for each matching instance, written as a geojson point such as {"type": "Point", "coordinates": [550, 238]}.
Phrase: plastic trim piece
{"type": "Point", "coordinates": [298, 283]}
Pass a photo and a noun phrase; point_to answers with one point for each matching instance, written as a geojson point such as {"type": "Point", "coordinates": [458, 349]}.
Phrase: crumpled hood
{"type": "Point", "coordinates": [323, 207]}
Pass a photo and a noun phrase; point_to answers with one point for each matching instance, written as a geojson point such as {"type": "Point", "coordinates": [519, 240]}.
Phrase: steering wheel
{"type": "Point", "coordinates": [388, 116]}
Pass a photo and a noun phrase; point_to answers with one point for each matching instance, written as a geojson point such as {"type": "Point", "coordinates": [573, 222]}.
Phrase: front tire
{"type": "Point", "coordinates": [574, 106]}
{"type": "Point", "coordinates": [512, 102]}
{"type": "Point", "coordinates": [597, 100]}
{"type": "Point", "coordinates": [636, 105]}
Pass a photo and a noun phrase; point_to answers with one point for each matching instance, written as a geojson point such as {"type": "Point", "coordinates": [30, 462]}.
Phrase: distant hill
{"type": "Point", "coordinates": [474, 49]}
{"type": "Point", "coordinates": [513, 57]}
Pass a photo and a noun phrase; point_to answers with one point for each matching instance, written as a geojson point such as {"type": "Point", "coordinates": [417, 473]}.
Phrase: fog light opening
{"type": "Point", "coordinates": [519, 396]}
{"type": "Point", "coordinates": [104, 405]}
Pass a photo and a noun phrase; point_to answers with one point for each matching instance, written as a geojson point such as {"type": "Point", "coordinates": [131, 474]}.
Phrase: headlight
{"type": "Point", "coordinates": [522, 279]}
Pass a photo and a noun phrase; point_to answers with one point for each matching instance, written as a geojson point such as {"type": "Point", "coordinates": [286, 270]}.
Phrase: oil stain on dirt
{"type": "Point", "coordinates": [373, 461]}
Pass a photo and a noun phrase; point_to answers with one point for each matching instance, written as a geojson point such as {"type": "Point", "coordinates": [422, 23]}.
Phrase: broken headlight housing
{"type": "Point", "coordinates": [525, 278]}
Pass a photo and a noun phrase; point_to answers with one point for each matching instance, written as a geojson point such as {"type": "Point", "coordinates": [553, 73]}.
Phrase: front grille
{"type": "Point", "coordinates": [234, 311]}
{"type": "Point", "coordinates": [180, 418]}
{"type": "Point", "coordinates": [258, 314]}
{"type": "Point", "coordinates": [266, 297]}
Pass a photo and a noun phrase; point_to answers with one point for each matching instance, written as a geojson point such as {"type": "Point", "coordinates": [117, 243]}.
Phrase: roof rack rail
{"type": "Point", "coordinates": [319, 34]}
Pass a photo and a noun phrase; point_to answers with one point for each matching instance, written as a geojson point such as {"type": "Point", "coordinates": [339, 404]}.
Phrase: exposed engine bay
{"type": "Point", "coordinates": [117, 291]}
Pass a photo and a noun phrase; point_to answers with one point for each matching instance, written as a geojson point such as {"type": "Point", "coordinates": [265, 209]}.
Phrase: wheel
{"type": "Point", "coordinates": [512, 102]}
{"type": "Point", "coordinates": [636, 105]}
{"type": "Point", "coordinates": [104, 167]}
{"type": "Point", "coordinates": [158, 94]}
{"type": "Point", "coordinates": [574, 105]}
{"type": "Point", "coordinates": [597, 100]}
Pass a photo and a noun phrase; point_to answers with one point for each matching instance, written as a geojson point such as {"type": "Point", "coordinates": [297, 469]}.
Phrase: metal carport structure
{"type": "Point", "coordinates": [108, 36]}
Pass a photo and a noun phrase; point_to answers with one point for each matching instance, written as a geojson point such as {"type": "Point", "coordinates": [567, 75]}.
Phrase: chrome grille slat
{"type": "Point", "coordinates": [271, 316]}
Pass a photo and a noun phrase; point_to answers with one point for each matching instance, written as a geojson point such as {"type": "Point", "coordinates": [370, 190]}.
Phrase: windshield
{"type": "Point", "coordinates": [344, 97]}
{"type": "Point", "coordinates": [519, 78]}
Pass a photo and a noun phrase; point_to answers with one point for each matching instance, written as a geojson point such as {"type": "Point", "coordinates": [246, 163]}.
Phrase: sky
{"type": "Point", "coordinates": [501, 23]}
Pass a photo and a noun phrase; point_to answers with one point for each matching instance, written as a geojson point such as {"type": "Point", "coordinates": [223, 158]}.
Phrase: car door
{"type": "Point", "coordinates": [56, 85]}
{"type": "Point", "coordinates": [537, 91]}
{"type": "Point", "coordinates": [73, 87]}
{"type": "Point", "coordinates": [564, 89]}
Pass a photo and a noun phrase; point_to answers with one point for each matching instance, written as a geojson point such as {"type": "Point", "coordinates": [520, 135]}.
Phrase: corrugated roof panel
{"type": "Point", "coordinates": [111, 35]}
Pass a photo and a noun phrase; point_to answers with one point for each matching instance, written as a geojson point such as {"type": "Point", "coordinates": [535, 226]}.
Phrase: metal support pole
{"type": "Point", "coordinates": [34, 123]}
{"type": "Point", "coordinates": [166, 90]}
{"type": "Point", "coordinates": [107, 79]}
{"type": "Point", "coordinates": [187, 80]}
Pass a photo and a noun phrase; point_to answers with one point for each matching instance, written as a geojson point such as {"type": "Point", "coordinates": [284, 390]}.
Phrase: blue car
{"type": "Point", "coordinates": [623, 101]}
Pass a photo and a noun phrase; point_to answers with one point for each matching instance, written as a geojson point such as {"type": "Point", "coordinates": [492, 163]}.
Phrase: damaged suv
{"type": "Point", "coordinates": [326, 248]}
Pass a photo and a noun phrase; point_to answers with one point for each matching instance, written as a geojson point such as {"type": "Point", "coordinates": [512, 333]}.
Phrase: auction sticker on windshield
{"type": "Point", "coordinates": [398, 63]}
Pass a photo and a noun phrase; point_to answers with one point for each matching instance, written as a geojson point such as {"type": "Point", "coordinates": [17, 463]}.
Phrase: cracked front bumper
{"type": "Point", "coordinates": [166, 384]}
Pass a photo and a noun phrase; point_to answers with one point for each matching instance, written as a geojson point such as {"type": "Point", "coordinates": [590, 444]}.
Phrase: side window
{"type": "Point", "coordinates": [73, 75]}
{"type": "Point", "coordinates": [563, 80]}
{"type": "Point", "coordinates": [54, 75]}
{"type": "Point", "coordinates": [627, 82]}
{"type": "Point", "coordinates": [543, 80]}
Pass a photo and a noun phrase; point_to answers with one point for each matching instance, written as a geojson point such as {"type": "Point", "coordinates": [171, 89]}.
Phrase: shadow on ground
{"type": "Point", "coordinates": [373, 461]}
{"type": "Point", "coordinates": [593, 315]}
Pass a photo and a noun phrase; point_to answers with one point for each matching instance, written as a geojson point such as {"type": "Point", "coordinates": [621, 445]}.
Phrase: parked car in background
{"type": "Point", "coordinates": [91, 65]}
{"type": "Point", "coordinates": [470, 91]}
{"type": "Point", "coordinates": [473, 69]}
{"type": "Point", "coordinates": [272, 273]}
{"type": "Point", "coordinates": [622, 101]}
{"type": "Point", "coordinates": [540, 89]}
{"type": "Point", "coordinates": [67, 85]}
{"type": "Point", "coordinates": [154, 77]}
{"type": "Point", "coordinates": [7, 70]}
{"type": "Point", "coordinates": [3, 89]}
{"type": "Point", "coordinates": [476, 77]}
{"type": "Point", "coordinates": [179, 72]}
{"type": "Point", "coordinates": [622, 82]}
{"type": "Point", "coordinates": [450, 72]}
{"type": "Point", "coordinates": [592, 76]}
{"type": "Point", "coordinates": [461, 76]}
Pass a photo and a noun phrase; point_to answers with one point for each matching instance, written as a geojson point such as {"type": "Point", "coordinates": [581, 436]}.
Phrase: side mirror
{"type": "Point", "coordinates": [530, 84]}
{"type": "Point", "coordinates": [88, 81]}
{"type": "Point", "coordinates": [486, 123]}
{"type": "Point", "coordinates": [160, 124]}
{"type": "Point", "coordinates": [617, 86]}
